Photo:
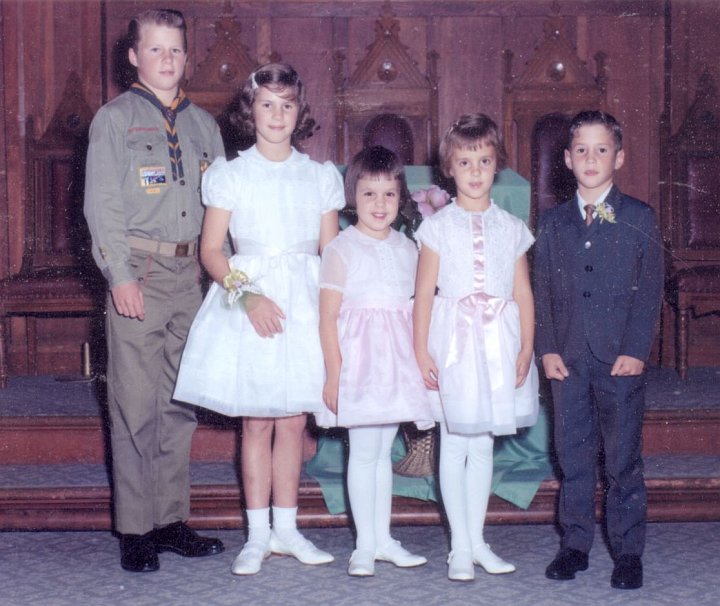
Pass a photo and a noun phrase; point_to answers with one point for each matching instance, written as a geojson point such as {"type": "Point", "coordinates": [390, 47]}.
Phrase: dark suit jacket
{"type": "Point", "coordinates": [598, 286]}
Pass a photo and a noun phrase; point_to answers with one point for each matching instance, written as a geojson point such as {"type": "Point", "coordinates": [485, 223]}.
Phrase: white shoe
{"type": "Point", "coordinates": [250, 558]}
{"type": "Point", "coordinates": [483, 556]}
{"type": "Point", "coordinates": [362, 563]}
{"type": "Point", "coordinates": [396, 554]}
{"type": "Point", "coordinates": [460, 566]}
{"type": "Point", "coordinates": [301, 549]}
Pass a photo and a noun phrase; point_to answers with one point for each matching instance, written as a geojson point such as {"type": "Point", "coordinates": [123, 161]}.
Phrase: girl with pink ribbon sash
{"type": "Point", "coordinates": [473, 334]}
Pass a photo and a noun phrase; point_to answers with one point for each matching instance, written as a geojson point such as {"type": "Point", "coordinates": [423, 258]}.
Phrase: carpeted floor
{"type": "Point", "coordinates": [82, 568]}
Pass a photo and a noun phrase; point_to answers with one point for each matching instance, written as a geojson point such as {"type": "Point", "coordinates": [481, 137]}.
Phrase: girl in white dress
{"type": "Point", "coordinates": [254, 349]}
{"type": "Point", "coordinates": [473, 341]}
{"type": "Point", "coordinates": [373, 382]}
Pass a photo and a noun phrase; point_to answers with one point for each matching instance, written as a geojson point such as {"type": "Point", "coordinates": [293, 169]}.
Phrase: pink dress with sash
{"type": "Point", "coordinates": [475, 327]}
{"type": "Point", "coordinates": [380, 382]}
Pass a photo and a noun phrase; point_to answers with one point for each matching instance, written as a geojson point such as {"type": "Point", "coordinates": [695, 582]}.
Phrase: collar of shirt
{"type": "Point", "coordinates": [582, 203]}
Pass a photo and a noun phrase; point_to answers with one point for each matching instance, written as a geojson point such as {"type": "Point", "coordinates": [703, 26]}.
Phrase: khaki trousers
{"type": "Point", "coordinates": [150, 434]}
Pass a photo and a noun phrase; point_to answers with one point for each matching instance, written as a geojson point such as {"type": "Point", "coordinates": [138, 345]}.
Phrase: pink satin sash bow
{"type": "Point", "coordinates": [483, 311]}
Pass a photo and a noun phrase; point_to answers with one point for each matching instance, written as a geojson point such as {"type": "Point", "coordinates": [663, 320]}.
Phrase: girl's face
{"type": "Point", "coordinates": [275, 117]}
{"type": "Point", "coordinates": [473, 169]}
{"type": "Point", "coordinates": [377, 198]}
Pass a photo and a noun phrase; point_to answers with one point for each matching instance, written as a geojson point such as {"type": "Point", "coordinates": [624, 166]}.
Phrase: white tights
{"type": "Point", "coordinates": [466, 468]}
{"type": "Point", "coordinates": [370, 483]}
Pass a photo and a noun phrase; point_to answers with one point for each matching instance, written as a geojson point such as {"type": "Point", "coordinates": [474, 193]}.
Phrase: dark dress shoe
{"type": "Point", "coordinates": [183, 540]}
{"type": "Point", "coordinates": [137, 553]}
{"type": "Point", "coordinates": [628, 573]}
{"type": "Point", "coordinates": [566, 563]}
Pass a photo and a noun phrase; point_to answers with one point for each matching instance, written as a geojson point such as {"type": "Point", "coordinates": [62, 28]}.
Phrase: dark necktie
{"type": "Point", "coordinates": [589, 210]}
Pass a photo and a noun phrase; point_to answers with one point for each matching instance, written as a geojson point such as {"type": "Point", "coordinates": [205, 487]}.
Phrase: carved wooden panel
{"type": "Point", "coordinates": [386, 81]}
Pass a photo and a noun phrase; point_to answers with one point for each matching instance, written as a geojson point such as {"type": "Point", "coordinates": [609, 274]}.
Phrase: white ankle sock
{"type": "Point", "coordinates": [258, 524]}
{"type": "Point", "coordinates": [285, 523]}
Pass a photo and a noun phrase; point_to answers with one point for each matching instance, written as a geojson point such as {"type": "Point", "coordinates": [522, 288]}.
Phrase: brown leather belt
{"type": "Point", "coordinates": [166, 249]}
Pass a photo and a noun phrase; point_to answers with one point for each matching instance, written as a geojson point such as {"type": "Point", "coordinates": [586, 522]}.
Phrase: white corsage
{"type": "Point", "coordinates": [605, 212]}
{"type": "Point", "coordinates": [237, 283]}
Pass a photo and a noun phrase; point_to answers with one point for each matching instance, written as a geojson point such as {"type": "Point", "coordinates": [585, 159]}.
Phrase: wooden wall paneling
{"type": "Point", "coordinates": [632, 65]}
{"type": "Point", "coordinates": [469, 67]}
{"type": "Point", "coordinates": [4, 223]}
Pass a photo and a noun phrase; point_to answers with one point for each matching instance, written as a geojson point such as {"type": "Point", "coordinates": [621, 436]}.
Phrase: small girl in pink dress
{"type": "Point", "coordinates": [373, 382]}
{"type": "Point", "coordinates": [474, 339]}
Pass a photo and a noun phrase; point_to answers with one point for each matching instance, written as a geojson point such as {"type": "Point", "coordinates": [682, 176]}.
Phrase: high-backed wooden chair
{"type": "Point", "coordinates": [537, 108]}
{"type": "Point", "coordinates": [691, 220]}
{"type": "Point", "coordinates": [386, 81]}
{"type": "Point", "coordinates": [57, 276]}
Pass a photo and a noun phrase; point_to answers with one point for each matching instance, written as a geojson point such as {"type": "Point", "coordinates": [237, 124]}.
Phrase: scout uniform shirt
{"type": "Point", "coordinates": [134, 186]}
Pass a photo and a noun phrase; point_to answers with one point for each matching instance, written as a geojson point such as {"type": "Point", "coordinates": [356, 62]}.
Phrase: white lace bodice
{"type": "Point", "coordinates": [449, 233]}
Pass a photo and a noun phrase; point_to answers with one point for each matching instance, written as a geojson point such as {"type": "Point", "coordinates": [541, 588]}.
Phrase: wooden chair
{"type": "Point", "coordinates": [555, 83]}
{"type": "Point", "coordinates": [57, 276]}
{"type": "Point", "coordinates": [386, 81]}
{"type": "Point", "coordinates": [691, 218]}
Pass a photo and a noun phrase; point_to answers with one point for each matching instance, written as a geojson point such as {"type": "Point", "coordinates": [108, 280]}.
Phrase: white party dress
{"type": "Point", "coordinates": [380, 382]}
{"type": "Point", "coordinates": [474, 336]}
{"type": "Point", "coordinates": [275, 225]}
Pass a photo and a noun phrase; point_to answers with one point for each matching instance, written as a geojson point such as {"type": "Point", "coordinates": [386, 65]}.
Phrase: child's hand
{"type": "Point", "coordinates": [522, 367]}
{"type": "Point", "coordinates": [627, 366]}
{"type": "Point", "coordinates": [554, 367]}
{"type": "Point", "coordinates": [429, 371]}
{"type": "Point", "coordinates": [128, 300]}
{"type": "Point", "coordinates": [330, 394]}
{"type": "Point", "coordinates": [264, 315]}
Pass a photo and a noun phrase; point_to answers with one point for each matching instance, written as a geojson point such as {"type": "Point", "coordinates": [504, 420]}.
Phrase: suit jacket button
{"type": "Point", "coordinates": [588, 268]}
{"type": "Point", "coordinates": [588, 244]}
{"type": "Point", "coordinates": [586, 294]}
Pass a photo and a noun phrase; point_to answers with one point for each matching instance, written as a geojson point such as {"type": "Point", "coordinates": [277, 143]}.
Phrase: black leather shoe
{"type": "Point", "coordinates": [137, 553]}
{"type": "Point", "coordinates": [566, 563]}
{"type": "Point", "coordinates": [628, 573]}
{"type": "Point", "coordinates": [183, 540]}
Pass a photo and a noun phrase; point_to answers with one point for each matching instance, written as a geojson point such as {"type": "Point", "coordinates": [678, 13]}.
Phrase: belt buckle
{"type": "Point", "coordinates": [181, 250]}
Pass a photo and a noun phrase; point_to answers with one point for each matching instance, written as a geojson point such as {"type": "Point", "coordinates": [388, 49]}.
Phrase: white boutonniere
{"type": "Point", "coordinates": [605, 212]}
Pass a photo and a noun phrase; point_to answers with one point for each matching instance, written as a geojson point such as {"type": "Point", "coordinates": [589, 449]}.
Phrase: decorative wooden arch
{"type": "Point", "coordinates": [386, 81]}
{"type": "Point", "coordinates": [222, 73]}
{"type": "Point", "coordinates": [556, 80]}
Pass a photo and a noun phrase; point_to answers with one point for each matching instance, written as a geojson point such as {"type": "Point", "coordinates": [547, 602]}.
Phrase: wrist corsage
{"type": "Point", "coordinates": [605, 212]}
{"type": "Point", "coordinates": [237, 283]}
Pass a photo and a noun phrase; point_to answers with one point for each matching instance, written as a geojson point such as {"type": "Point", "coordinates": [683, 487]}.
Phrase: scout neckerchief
{"type": "Point", "coordinates": [180, 102]}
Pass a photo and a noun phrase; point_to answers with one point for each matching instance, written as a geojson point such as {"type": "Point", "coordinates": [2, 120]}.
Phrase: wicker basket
{"type": "Point", "coordinates": [419, 461]}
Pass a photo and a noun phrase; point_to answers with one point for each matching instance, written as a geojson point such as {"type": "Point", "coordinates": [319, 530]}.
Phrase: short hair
{"type": "Point", "coordinates": [468, 131]}
{"type": "Point", "coordinates": [590, 117]}
{"type": "Point", "coordinates": [393, 132]}
{"type": "Point", "coordinates": [282, 79]}
{"type": "Point", "coordinates": [377, 161]}
{"type": "Point", "coordinates": [164, 16]}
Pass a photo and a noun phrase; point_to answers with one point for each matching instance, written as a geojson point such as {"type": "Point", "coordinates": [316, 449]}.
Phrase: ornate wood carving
{"type": "Point", "coordinates": [556, 80]}
{"type": "Point", "coordinates": [386, 80]}
{"type": "Point", "coordinates": [224, 70]}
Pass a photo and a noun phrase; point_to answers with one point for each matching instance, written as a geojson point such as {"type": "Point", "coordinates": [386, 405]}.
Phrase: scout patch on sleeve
{"type": "Point", "coordinates": [152, 178]}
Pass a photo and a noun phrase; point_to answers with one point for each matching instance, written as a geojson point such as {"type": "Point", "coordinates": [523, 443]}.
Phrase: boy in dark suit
{"type": "Point", "coordinates": [598, 281]}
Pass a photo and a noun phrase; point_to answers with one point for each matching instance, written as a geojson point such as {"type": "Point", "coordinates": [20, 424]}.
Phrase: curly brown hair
{"type": "Point", "coordinates": [283, 80]}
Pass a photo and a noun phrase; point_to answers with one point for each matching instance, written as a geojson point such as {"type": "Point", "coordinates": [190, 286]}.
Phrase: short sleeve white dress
{"type": "Point", "coordinates": [380, 382]}
{"type": "Point", "coordinates": [275, 225]}
{"type": "Point", "coordinates": [474, 334]}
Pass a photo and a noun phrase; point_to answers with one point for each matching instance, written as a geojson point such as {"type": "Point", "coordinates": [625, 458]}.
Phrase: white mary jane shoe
{"type": "Point", "coordinates": [250, 558]}
{"type": "Point", "coordinates": [492, 564]}
{"type": "Point", "coordinates": [395, 553]}
{"type": "Point", "coordinates": [362, 563]}
{"type": "Point", "coordinates": [301, 549]}
{"type": "Point", "coordinates": [460, 566]}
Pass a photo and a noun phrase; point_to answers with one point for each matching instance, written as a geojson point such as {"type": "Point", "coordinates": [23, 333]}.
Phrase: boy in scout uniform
{"type": "Point", "coordinates": [148, 148]}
